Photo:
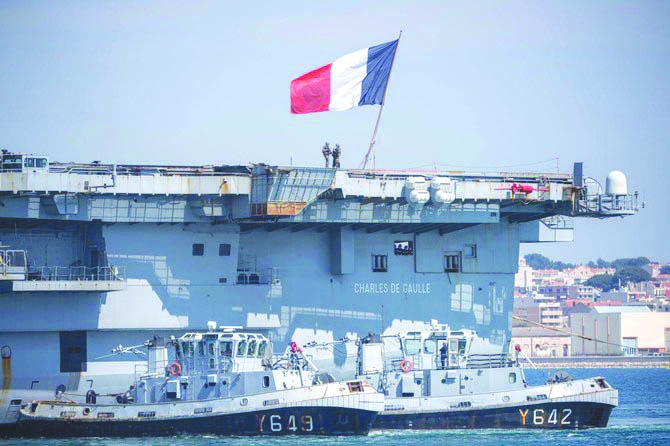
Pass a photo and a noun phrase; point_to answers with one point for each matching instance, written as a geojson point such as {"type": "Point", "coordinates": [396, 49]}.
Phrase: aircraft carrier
{"type": "Point", "coordinates": [98, 257]}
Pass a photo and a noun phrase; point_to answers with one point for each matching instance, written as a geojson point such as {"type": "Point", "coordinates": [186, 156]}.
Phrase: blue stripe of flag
{"type": "Point", "coordinates": [380, 59]}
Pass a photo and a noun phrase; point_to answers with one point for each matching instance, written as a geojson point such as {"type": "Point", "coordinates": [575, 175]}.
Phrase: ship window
{"type": "Point", "coordinates": [201, 348]}
{"type": "Point", "coordinates": [251, 351]}
{"type": "Point", "coordinates": [471, 251]}
{"type": "Point", "coordinates": [223, 279]}
{"type": "Point", "coordinates": [379, 263]}
{"type": "Point", "coordinates": [461, 346]}
{"type": "Point", "coordinates": [241, 348]}
{"type": "Point", "coordinates": [211, 349]}
{"type": "Point", "coordinates": [261, 349]}
{"type": "Point", "coordinates": [412, 346]}
{"type": "Point", "coordinates": [452, 263]}
{"type": "Point", "coordinates": [227, 348]}
{"type": "Point", "coordinates": [11, 163]}
{"type": "Point", "coordinates": [224, 249]}
{"type": "Point", "coordinates": [430, 346]}
{"type": "Point", "coordinates": [198, 249]}
{"type": "Point", "coordinates": [185, 347]}
{"type": "Point", "coordinates": [403, 248]}
{"type": "Point", "coordinates": [41, 162]}
{"type": "Point", "coordinates": [266, 381]}
{"type": "Point", "coordinates": [72, 351]}
{"type": "Point", "coordinates": [512, 378]}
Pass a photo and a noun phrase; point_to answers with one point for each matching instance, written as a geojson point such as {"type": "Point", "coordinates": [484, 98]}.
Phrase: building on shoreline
{"type": "Point", "coordinates": [619, 330]}
{"type": "Point", "coordinates": [537, 342]}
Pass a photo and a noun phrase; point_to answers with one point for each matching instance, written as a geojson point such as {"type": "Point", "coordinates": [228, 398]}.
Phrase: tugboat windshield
{"type": "Point", "coordinates": [461, 346]}
{"type": "Point", "coordinates": [251, 351]}
{"type": "Point", "coordinates": [412, 346]}
{"type": "Point", "coordinates": [430, 346]}
{"type": "Point", "coordinates": [187, 348]}
{"type": "Point", "coordinates": [241, 348]}
{"type": "Point", "coordinates": [261, 349]}
{"type": "Point", "coordinates": [227, 348]}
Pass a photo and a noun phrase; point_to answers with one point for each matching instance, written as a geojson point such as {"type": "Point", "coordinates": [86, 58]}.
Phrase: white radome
{"type": "Point", "coordinates": [615, 184]}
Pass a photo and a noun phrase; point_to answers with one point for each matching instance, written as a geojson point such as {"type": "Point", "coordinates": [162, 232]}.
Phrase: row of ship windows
{"type": "Point", "coordinates": [199, 249]}
{"type": "Point", "coordinates": [452, 261]}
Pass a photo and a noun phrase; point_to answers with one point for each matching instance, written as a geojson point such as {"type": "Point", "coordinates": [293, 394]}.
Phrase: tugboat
{"type": "Point", "coordinates": [453, 379]}
{"type": "Point", "coordinates": [222, 382]}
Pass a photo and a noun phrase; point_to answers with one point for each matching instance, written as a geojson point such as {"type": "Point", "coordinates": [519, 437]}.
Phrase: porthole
{"type": "Point", "coordinates": [244, 402]}
{"type": "Point", "coordinates": [505, 398]}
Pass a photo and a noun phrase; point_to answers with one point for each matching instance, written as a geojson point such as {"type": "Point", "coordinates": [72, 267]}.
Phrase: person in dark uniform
{"type": "Point", "coordinates": [443, 355]}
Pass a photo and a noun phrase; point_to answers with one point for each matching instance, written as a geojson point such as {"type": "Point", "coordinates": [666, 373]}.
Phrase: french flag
{"type": "Point", "coordinates": [359, 78]}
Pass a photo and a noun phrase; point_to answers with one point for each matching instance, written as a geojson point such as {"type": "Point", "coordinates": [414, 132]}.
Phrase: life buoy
{"type": "Point", "coordinates": [175, 369]}
{"type": "Point", "coordinates": [406, 365]}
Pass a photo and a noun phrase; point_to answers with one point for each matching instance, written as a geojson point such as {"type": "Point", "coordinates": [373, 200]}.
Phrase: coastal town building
{"type": "Point", "coordinates": [538, 309]}
{"type": "Point", "coordinates": [538, 342]}
{"type": "Point", "coordinates": [619, 330]}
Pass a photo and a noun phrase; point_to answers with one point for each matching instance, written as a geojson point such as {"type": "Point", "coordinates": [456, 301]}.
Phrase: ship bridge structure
{"type": "Point", "coordinates": [94, 255]}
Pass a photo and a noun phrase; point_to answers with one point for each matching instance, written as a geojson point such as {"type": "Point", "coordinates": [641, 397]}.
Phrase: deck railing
{"type": "Point", "coordinates": [81, 273]}
{"type": "Point", "coordinates": [488, 361]}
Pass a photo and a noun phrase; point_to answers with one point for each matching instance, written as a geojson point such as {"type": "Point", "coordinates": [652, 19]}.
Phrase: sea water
{"type": "Point", "coordinates": [642, 418]}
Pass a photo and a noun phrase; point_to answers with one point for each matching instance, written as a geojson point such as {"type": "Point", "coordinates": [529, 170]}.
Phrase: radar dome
{"type": "Point", "coordinates": [615, 184]}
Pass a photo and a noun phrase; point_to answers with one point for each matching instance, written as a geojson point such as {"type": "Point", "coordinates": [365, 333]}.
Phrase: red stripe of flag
{"type": "Point", "coordinates": [311, 92]}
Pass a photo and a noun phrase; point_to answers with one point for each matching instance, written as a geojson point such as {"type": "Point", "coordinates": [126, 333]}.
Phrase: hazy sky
{"type": "Point", "coordinates": [475, 85]}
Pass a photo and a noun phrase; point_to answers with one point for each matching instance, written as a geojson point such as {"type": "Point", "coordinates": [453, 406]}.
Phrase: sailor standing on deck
{"type": "Point", "coordinates": [443, 355]}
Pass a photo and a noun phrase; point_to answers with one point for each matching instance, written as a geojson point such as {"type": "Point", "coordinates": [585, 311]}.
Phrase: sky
{"type": "Point", "coordinates": [499, 85]}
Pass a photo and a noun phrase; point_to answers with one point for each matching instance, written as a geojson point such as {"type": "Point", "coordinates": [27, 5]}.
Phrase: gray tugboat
{"type": "Point", "coordinates": [220, 382]}
{"type": "Point", "coordinates": [439, 378]}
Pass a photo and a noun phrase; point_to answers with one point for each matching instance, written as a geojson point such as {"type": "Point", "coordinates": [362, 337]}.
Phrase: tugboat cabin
{"type": "Point", "coordinates": [217, 364]}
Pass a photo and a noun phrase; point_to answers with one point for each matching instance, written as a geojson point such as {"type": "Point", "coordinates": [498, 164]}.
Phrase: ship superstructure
{"type": "Point", "coordinates": [95, 255]}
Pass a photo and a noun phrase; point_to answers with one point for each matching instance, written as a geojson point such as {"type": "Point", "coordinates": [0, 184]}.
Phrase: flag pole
{"type": "Point", "coordinates": [381, 109]}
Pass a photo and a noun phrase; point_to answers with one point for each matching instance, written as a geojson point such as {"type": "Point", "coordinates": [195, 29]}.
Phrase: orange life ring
{"type": "Point", "coordinates": [175, 369]}
{"type": "Point", "coordinates": [406, 365]}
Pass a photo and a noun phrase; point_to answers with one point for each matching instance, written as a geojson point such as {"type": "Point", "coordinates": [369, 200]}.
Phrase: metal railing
{"type": "Point", "coordinates": [474, 361]}
{"type": "Point", "coordinates": [82, 273]}
{"type": "Point", "coordinates": [494, 361]}
{"type": "Point", "coordinates": [253, 277]}
{"type": "Point", "coordinates": [605, 205]}
{"type": "Point", "coordinates": [558, 222]}
{"type": "Point", "coordinates": [13, 262]}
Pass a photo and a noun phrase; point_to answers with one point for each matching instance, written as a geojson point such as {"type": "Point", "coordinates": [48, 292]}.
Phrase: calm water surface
{"type": "Point", "coordinates": [642, 418]}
